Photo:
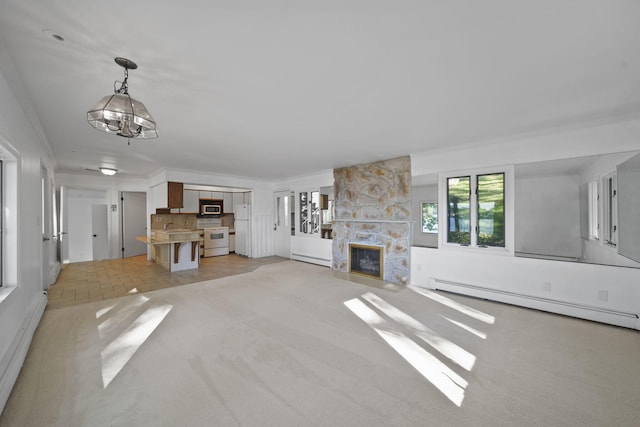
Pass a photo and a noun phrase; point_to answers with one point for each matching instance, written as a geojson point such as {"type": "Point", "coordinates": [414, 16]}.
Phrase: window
{"type": "Point", "coordinates": [477, 208]}
{"type": "Point", "coordinates": [593, 197]}
{"type": "Point", "coordinates": [459, 210]}
{"type": "Point", "coordinates": [1, 223]}
{"type": "Point", "coordinates": [490, 224]}
{"type": "Point", "coordinates": [610, 209]}
{"type": "Point", "coordinates": [430, 217]}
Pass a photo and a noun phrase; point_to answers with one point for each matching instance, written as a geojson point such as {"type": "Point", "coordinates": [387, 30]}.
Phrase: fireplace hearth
{"type": "Point", "coordinates": [366, 260]}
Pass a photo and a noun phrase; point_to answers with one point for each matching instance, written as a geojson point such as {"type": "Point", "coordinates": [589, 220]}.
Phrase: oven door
{"type": "Point", "coordinates": [216, 241]}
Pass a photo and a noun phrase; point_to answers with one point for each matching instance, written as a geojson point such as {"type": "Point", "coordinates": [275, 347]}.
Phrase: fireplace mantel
{"type": "Point", "coordinates": [383, 221]}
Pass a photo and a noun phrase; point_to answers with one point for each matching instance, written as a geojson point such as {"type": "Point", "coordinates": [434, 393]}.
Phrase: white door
{"type": "Point", "coordinates": [46, 227]}
{"type": "Point", "coordinates": [99, 232]}
{"type": "Point", "coordinates": [133, 210]}
{"type": "Point", "coordinates": [282, 226]}
{"type": "Point", "coordinates": [63, 221]}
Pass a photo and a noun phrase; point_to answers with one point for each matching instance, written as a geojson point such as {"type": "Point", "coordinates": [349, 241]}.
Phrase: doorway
{"type": "Point", "coordinates": [83, 221]}
{"type": "Point", "coordinates": [133, 216]}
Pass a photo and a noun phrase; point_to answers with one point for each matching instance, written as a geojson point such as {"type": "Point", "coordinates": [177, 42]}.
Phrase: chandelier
{"type": "Point", "coordinates": [120, 113]}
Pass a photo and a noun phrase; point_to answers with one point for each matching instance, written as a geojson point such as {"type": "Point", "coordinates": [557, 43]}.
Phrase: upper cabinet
{"type": "Point", "coordinates": [242, 198]}
{"type": "Point", "coordinates": [238, 198]}
{"type": "Point", "coordinates": [228, 202]}
{"type": "Point", "coordinates": [175, 198]}
{"type": "Point", "coordinates": [191, 201]}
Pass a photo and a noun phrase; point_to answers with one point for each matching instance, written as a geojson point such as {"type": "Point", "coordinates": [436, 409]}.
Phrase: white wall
{"type": "Point", "coordinates": [547, 212]}
{"type": "Point", "coordinates": [597, 292]}
{"type": "Point", "coordinates": [262, 219]}
{"type": "Point", "coordinates": [570, 288]}
{"type": "Point", "coordinates": [22, 298]}
{"type": "Point", "coordinates": [312, 249]}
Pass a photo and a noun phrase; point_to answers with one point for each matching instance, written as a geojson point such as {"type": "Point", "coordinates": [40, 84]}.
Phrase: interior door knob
{"type": "Point", "coordinates": [95, 235]}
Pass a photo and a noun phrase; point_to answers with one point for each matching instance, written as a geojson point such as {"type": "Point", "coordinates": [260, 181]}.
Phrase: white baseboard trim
{"type": "Point", "coordinates": [567, 308]}
{"type": "Point", "coordinates": [13, 359]}
{"type": "Point", "coordinates": [311, 259]}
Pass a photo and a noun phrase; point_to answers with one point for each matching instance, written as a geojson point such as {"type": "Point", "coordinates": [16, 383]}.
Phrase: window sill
{"type": "Point", "coordinates": [5, 291]}
{"type": "Point", "coordinates": [490, 250]}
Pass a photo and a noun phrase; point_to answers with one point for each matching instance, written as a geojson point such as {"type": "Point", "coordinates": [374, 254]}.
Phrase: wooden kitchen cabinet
{"type": "Point", "coordinates": [175, 199]}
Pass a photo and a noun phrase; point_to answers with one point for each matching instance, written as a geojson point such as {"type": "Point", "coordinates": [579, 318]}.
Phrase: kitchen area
{"type": "Point", "coordinates": [199, 222]}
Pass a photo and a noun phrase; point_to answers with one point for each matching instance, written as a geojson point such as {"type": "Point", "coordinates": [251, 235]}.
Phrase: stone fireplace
{"type": "Point", "coordinates": [373, 210]}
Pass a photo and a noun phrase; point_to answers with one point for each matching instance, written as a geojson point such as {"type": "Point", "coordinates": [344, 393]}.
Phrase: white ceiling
{"type": "Point", "coordinates": [276, 89]}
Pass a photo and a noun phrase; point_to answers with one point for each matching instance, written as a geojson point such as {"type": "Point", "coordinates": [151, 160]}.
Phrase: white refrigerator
{"type": "Point", "coordinates": [242, 224]}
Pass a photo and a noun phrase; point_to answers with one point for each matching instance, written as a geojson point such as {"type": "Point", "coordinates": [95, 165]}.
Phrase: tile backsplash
{"type": "Point", "coordinates": [189, 221]}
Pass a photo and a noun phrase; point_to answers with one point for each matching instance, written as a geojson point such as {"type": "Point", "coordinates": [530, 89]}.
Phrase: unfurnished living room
{"type": "Point", "coordinates": [319, 213]}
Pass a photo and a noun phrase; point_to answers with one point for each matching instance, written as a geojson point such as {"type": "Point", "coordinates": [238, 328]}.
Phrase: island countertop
{"type": "Point", "coordinates": [170, 251]}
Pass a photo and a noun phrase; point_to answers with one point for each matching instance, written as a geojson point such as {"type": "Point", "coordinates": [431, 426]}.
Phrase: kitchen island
{"type": "Point", "coordinates": [175, 249]}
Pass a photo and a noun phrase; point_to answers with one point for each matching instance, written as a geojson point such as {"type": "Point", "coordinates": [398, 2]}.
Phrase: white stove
{"type": "Point", "coordinates": [216, 241]}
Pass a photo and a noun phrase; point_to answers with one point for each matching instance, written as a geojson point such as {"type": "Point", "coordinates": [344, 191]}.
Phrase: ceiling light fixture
{"type": "Point", "coordinates": [120, 113]}
{"type": "Point", "coordinates": [108, 171]}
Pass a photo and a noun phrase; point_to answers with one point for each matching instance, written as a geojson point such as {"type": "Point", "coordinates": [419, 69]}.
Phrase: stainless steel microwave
{"type": "Point", "coordinates": [210, 210]}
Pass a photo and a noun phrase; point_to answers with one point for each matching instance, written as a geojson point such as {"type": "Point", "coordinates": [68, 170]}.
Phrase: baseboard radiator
{"type": "Point", "coordinates": [11, 363]}
{"type": "Point", "coordinates": [311, 259]}
{"type": "Point", "coordinates": [583, 311]}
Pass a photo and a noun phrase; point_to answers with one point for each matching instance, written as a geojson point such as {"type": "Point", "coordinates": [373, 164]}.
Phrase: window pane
{"type": "Point", "coordinates": [1, 225]}
{"type": "Point", "coordinates": [594, 224]}
{"type": "Point", "coordinates": [458, 210]}
{"type": "Point", "coordinates": [491, 210]}
{"type": "Point", "coordinates": [429, 217]}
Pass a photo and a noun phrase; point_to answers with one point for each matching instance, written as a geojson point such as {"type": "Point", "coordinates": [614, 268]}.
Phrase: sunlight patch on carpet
{"type": "Point", "coordinates": [448, 302]}
{"type": "Point", "coordinates": [447, 381]}
{"type": "Point", "coordinates": [118, 353]}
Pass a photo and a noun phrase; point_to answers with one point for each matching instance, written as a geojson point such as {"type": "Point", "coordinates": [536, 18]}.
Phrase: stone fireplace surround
{"type": "Point", "coordinates": [373, 207]}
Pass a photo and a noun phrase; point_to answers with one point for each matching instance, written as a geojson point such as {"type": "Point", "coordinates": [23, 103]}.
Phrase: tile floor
{"type": "Point", "coordinates": [84, 282]}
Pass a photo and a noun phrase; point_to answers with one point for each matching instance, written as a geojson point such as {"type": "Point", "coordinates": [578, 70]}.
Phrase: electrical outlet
{"type": "Point", "coordinates": [603, 295]}
{"type": "Point", "coordinates": [419, 267]}
{"type": "Point", "coordinates": [546, 286]}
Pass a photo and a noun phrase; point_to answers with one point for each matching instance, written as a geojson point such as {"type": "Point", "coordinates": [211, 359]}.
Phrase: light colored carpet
{"type": "Point", "coordinates": [292, 344]}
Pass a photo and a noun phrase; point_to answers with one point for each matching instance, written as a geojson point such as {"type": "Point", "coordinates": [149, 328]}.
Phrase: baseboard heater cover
{"type": "Point", "coordinates": [312, 259]}
{"type": "Point", "coordinates": [627, 319]}
{"type": "Point", "coordinates": [12, 361]}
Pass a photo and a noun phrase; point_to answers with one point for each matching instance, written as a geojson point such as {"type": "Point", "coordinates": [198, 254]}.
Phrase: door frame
{"type": "Point", "coordinates": [282, 205]}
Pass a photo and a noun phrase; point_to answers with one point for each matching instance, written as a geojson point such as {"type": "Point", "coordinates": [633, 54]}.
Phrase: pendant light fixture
{"type": "Point", "coordinates": [120, 113]}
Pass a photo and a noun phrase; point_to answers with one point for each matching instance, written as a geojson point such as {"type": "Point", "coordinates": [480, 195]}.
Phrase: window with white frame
{"type": "Point", "coordinates": [1, 223]}
{"type": "Point", "coordinates": [594, 222]}
{"type": "Point", "coordinates": [610, 209]}
{"type": "Point", "coordinates": [430, 217]}
{"type": "Point", "coordinates": [475, 212]}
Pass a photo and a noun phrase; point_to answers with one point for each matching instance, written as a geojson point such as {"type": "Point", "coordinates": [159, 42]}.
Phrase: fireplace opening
{"type": "Point", "coordinates": [366, 260]}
